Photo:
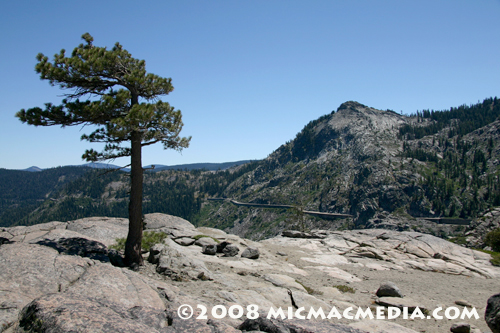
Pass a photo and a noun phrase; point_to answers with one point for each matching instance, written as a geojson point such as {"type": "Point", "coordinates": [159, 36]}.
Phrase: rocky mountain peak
{"type": "Point", "coordinates": [353, 114]}
{"type": "Point", "coordinates": [350, 105]}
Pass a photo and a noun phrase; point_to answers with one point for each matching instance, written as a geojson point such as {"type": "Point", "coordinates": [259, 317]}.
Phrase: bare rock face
{"type": "Point", "coordinates": [172, 225]}
{"type": "Point", "coordinates": [102, 229]}
{"type": "Point", "coordinates": [64, 313]}
{"type": "Point", "coordinates": [174, 263]}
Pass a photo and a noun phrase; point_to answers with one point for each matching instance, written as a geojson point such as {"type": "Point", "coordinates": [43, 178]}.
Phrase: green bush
{"type": "Point", "coordinates": [120, 244]}
{"type": "Point", "coordinates": [149, 238]}
{"type": "Point", "coordinates": [495, 259]}
{"type": "Point", "coordinates": [345, 289]}
{"type": "Point", "coordinates": [492, 239]}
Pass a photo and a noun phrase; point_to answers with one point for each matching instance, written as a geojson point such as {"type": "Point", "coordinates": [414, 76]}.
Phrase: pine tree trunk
{"type": "Point", "coordinates": [133, 255]}
{"type": "Point", "coordinates": [133, 245]}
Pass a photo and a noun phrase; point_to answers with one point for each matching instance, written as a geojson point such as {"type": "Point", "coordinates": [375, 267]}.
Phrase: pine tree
{"type": "Point", "coordinates": [121, 99]}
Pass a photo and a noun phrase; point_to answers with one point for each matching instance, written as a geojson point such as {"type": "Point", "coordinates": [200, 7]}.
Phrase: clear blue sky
{"type": "Point", "coordinates": [249, 75]}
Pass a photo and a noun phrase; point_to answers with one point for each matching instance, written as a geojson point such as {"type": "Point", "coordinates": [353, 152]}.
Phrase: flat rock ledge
{"type": "Point", "coordinates": [59, 277]}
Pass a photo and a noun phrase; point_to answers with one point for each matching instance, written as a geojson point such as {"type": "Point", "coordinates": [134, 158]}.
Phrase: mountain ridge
{"type": "Point", "coordinates": [157, 167]}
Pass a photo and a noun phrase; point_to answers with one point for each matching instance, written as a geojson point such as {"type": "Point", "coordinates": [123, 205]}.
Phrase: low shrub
{"type": "Point", "coordinates": [345, 289]}
{"type": "Point", "coordinates": [492, 239]}
{"type": "Point", "coordinates": [149, 238]}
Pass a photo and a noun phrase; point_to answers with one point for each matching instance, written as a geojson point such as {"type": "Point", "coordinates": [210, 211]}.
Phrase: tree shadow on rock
{"type": "Point", "coordinates": [77, 246]}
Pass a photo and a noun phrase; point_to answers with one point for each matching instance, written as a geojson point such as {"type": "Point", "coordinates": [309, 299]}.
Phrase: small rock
{"type": "Point", "coordinates": [388, 289]}
{"type": "Point", "coordinates": [230, 250]}
{"type": "Point", "coordinates": [460, 328]}
{"type": "Point", "coordinates": [251, 253]}
{"type": "Point", "coordinates": [184, 241]}
{"type": "Point", "coordinates": [283, 254]}
{"type": "Point", "coordinates": [210, 249]}
{"type": "Point", "coordinates": [464, 303]}
{"type": "Point", "coordinates": [492, 314]}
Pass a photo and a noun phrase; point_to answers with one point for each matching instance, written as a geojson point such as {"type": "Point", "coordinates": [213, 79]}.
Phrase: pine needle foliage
{"type": "Point", "coordinates": [111, 90]}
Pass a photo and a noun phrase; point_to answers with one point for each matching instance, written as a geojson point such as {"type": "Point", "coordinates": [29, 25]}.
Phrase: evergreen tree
{"type": "Point", "coordinates": [122, 101]}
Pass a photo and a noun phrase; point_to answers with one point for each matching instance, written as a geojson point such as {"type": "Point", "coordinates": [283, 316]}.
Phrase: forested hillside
{"type": "Point", "coordinates": [21, 192]}
{"type": "Point", "coordinates": [70, 193]}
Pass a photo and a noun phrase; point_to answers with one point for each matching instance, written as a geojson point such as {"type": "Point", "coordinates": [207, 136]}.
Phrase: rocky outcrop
{"type": "Point", "coordinates": [51, 276]}
{"type": "Point", "coordinates": [479, 227]}
{"type": "Point", "coordinates": [493, 313]}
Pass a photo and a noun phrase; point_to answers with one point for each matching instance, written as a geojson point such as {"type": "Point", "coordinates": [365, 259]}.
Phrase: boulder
{"type": "Point", "coordinates": [388, 289]}
{"type": "Point", "coordinates": [250, 253]}
{"type": "Point", "coordinates": [210, 249]}
{"type": "Point", "coordinates": [230, 250]}
{"type": "Point", "coordinates": [492, 314]}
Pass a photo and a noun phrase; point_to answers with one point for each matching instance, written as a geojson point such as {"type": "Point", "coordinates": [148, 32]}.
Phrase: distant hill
{"type": "Point", "coordinates": [158, 167]}
{"type": "Point", "coordinates": [33, 169]}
